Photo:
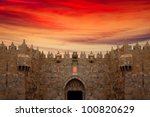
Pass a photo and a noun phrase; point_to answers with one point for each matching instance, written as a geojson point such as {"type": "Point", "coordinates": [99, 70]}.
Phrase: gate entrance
{"type": "Point", "coordinates": [74, 95]}
{"type": "Point", "coordinates": [74, 90]}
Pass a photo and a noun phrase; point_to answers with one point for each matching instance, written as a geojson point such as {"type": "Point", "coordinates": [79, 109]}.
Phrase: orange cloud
{"type": "Point", "coordinates": [68, 23]}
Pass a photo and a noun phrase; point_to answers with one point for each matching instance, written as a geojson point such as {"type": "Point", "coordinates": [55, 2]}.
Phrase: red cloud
{"type": "Point", "coordinates": [97, 41]}
{"type": "Point", "coordinates": [29, 13]}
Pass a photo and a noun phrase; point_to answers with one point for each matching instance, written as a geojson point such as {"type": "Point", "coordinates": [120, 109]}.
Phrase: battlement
{"type": "Point", "coordinates": [23, 48]}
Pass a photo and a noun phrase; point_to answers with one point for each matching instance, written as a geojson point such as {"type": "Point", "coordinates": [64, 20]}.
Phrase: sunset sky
{"type": "Point", "coordinates": [81, 25]}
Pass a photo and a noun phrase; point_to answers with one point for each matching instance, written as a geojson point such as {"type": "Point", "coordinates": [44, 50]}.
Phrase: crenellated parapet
{"type": "Point", "coordinates": [99, 55]}
{"type": "Point", "coordinates": [113, 54]}
{"type": "Point", "coordinates": [137, 47]}
{"type": "Point", "coordinates": [50, 55]}
{"type": "Point", "coordinates": [12, 47]}
{"type": "Point", "coordinates": [82, 55]}
{"type": "Point", "coordinates": [67, 55]}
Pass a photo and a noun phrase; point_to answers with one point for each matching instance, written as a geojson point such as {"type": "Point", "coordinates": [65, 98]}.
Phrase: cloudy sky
{"type": "Point", "coordinates": [82, 25]}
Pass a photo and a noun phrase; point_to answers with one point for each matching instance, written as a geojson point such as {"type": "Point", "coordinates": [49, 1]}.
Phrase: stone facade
{"type": "Point", "coordinates": [27, 73]}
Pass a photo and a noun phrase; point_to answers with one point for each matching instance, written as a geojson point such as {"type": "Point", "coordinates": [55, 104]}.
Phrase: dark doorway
{"type": "Point", "coordinates": [74, 95]}
{"type": "Point", "coordinates": [74, 90]}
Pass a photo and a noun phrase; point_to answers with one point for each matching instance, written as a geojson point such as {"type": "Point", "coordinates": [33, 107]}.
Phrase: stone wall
{"type": "Point", "coordinates": [27, 73]}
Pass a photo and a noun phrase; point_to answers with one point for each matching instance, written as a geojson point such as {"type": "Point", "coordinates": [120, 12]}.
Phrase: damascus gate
{"type": "Point", "coordinates": [27, 73]}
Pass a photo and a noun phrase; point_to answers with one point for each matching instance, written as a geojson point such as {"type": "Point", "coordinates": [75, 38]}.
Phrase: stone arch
{"type": "Point", "coordinates": [74, 86]}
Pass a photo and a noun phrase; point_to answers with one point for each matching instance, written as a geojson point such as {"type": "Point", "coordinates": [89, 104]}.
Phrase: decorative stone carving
{"type": "Point", "coordinates": [74, 57]}
{"type": "Point", "coordinates": [58, 57]}
{"type": "Point", "coordinates": [126, 62]}
{"type": "Point", "coordinates": [137, 47]}
{"type": "Point", "coordinates": [23, 62]}
{"type": "Point", "coordinates": [91, 57]}
{"type": "Point", "coordinates": [12, 47]}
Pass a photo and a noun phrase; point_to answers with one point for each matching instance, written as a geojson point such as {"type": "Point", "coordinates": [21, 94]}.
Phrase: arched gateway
{"type": "Point", "coordinates": [74, 90]}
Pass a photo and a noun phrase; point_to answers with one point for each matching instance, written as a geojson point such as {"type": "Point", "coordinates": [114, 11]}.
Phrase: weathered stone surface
{"type": "Point", "coordinates": [26, 73]}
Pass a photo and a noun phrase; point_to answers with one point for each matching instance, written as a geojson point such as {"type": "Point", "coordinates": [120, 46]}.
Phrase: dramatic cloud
{"type": "Point", "coordinates": [70, 23]}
